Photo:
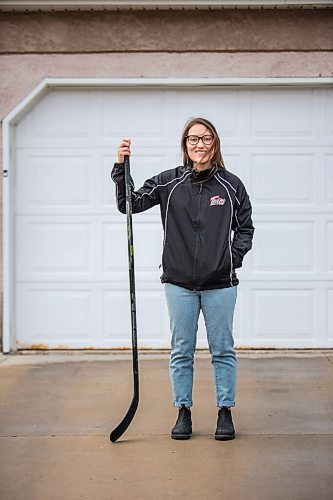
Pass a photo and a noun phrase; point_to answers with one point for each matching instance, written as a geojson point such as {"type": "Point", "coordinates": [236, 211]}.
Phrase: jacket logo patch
{"type": "Point", "coordinates": [216, 200]}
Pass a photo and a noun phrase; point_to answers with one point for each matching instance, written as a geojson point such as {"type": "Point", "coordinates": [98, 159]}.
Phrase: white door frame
{"type": "Point", "coordinates": [14, 117]}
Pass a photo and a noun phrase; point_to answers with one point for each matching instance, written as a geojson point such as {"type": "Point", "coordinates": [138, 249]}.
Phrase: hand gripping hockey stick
{"type": "Point", "coordinates": [124, 424]}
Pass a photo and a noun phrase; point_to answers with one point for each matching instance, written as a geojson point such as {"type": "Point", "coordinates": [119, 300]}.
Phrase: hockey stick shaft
{"type": "Point", "coordinates": [121, 428]}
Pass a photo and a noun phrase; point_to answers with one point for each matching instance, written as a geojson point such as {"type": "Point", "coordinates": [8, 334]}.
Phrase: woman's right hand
{"type": "Point", "coordinates": [124, 149]}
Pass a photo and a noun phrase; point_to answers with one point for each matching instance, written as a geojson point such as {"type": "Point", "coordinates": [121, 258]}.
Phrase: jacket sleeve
{"type": "Point", "coordinates": [142, 199]}
{"type": "Point", "coordinates": [242, 226]}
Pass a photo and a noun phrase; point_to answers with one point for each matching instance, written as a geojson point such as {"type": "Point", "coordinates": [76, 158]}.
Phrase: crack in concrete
{"type": "Point", "coordinates": [328, 359]}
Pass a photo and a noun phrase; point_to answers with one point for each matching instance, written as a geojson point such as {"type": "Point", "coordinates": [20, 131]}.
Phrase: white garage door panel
{"type": "Point", "coordinates": [142, 124]}
{"type": "Point", "coordinates": [151, 316]}
{"type": "Point", "coordinates": [73, 115]}
{"type": "Point", "coordinates": [61, 316]}
{"type": "Point", "coordinates": [294, 180]}
{"type": "Point", "coordinates": [53, 246]}
{"type": "Point", "coordinates": [73, 122]}
{"type": "Point", "coordinates": [272, 108]}
{"type": "Point", "coordinates": [71, 274]}
{"type": "Point", "coordinates": [65, 181]}
{"type": "Point", "coordinates": [285, 246]}
{"type": "Point", "coordinates": [283, 314]}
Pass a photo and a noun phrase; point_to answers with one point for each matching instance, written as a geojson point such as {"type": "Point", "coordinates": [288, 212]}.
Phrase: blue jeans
{"type": "Point", "coordinates": [218, 309]}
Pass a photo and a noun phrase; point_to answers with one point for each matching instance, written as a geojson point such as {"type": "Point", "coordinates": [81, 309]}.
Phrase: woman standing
{"type": "Point", "coordinates": [206, 216]}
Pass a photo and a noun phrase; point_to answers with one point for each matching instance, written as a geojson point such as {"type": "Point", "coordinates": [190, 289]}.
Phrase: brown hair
{"type": "Point", "coordinates": [216, 160]}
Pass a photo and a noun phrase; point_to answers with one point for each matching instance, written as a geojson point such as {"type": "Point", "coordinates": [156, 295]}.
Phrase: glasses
{"type": "Point", "coordinates": [194, 139]}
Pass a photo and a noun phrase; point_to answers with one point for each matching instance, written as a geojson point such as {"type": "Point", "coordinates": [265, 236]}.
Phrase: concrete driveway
{"type": "Point", "coordinates": [57, 410]}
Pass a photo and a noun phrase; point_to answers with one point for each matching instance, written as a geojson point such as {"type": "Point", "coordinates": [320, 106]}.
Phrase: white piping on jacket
{"type": "Point", "coordinates": [141, 196]}
{"type": "Point", "coordinates": [167, 207]}
{"type": "Point", "coordinates": [231, 216]}
{"type": "Point", "coordinates": [232, 187]}
{"type": "Point", "coordinates": [159, 185]}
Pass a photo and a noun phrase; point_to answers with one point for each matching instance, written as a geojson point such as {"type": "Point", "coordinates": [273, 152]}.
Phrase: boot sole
{"type": "Point", "coordinates": [224, 437]}
{"type": "Point", "coordinates": [180, 436]}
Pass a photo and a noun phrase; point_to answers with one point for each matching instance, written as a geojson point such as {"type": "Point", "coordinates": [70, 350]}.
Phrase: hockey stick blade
{"type": "Point", "coordinates": [124, 424]}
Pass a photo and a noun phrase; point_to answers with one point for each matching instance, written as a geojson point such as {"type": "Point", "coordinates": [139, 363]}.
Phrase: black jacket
{"type": "Point", "coordinates": [206, 219]}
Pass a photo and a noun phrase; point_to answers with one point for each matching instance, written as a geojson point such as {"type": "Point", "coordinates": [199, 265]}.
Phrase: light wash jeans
{"type": "Point", "coordinates": [218, 309]}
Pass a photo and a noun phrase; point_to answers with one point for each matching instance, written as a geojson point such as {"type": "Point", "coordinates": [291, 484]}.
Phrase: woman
{"type": "Point", "coordinates": [206, 216]}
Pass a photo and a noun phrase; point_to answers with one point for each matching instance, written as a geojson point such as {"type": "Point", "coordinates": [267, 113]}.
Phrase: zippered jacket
{"type": "Point", "coordinates": [206, 219]}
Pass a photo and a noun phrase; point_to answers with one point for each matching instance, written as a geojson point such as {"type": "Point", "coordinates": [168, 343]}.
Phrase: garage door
{"type": "Point", "coordinates": [71, 281]}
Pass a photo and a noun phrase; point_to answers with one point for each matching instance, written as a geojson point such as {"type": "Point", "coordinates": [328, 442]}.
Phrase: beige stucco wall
{"type": "Point", "coordinates": [230, 43]}
{"type": "Point", "coordinates": [180, 31]}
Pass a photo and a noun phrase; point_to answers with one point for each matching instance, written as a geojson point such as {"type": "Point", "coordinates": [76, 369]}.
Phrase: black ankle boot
{"type": "Point", "coordinates": [225, 428]}
{"type": "Point", "coordinates": [183, 426]}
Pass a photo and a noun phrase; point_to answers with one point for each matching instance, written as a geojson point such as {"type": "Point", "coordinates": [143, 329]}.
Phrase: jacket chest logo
{"type": "Point", "coordinates": [216, 200]}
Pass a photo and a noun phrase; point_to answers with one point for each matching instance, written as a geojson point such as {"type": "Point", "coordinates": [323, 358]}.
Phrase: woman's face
{"type": "Point", "coordinates": [202, 151]}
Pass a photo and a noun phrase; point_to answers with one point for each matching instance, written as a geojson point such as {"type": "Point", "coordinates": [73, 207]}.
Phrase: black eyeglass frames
{"type": "Point", "coordinates": [194, 139]}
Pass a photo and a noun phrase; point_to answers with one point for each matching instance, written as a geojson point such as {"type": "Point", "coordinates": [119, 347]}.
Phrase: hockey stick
{"type": "Point", "coordinates": [121, 428]}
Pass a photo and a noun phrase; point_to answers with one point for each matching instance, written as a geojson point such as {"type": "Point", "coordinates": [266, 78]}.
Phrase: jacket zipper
{"type": "Point", "coordinates": [197, 238]}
